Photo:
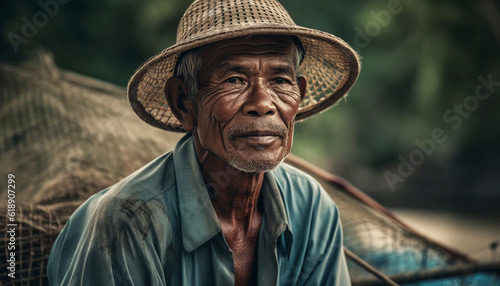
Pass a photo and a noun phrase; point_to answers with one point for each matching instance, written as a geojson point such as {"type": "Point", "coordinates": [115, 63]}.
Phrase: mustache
{"type": "Point", "coordinates": [265, 126]}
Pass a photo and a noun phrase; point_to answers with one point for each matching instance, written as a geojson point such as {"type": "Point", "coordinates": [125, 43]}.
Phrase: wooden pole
{"type": "Point", "coordinates": [372, 270]}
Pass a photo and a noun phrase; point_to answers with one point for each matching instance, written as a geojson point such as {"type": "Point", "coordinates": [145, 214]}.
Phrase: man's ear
{"type": "Point", "coordinates": [302, 86]}
{"type": "Point", "coordinates": [180, 104]}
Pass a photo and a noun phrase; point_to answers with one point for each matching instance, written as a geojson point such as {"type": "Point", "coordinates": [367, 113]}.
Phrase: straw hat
{"type": "Point", "coordinates": [330, 65]}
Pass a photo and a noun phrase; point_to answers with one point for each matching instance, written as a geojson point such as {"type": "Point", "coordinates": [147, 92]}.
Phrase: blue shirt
{"type": "Point", "coordinates": [158, 227]}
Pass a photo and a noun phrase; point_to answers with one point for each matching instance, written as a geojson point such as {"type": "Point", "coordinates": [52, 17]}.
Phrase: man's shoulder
{"type": "Point", "coordinates": [144, 192]}
{"type": "Point", "coordinates": [127, 219]}
{"type": "Point", "coordinates": [150, 181]}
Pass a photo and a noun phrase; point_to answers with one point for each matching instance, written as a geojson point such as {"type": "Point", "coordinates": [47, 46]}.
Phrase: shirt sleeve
{"type": "Point", "coordinates": [331, 266]}
{"type": "Point", "coordinates": [106, 243]}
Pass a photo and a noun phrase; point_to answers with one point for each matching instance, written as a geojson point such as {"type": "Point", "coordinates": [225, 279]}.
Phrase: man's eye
{"type": "Point", "coordinates": [280, 80]}
{"type": "Point", "coordinates": [234, 80]}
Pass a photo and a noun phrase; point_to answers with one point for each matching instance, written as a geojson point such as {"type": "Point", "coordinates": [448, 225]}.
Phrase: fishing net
{"type": "Point", "coordinates": [64, 137]}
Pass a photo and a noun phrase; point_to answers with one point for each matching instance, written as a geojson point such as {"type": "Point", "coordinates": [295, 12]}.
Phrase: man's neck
{"type": "Point", "coordinates": [235, 194]}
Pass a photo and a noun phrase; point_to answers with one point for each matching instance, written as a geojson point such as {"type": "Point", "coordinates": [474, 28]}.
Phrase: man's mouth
{"type": "Point", "coordinates": [252, 129]}
{"type": "Point", "coordinates": [260, 136]}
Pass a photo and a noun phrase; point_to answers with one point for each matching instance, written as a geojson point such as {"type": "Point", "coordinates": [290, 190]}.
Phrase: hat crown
{"type": "Point", "coordinates": [215, 16]}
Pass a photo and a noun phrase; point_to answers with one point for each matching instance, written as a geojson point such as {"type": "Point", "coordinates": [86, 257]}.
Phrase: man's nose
{"type": "Point", "coordinates": [259, 101]}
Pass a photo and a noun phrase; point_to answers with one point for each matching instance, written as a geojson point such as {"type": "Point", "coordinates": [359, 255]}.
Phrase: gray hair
{"type": "Point", "coordinates": [189, 65]}
{"type": "Point", "coordinates": [188, 68]}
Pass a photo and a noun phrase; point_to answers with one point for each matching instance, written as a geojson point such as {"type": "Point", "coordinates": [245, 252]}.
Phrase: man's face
{"type": "Point", "coordinates": [247, 101]}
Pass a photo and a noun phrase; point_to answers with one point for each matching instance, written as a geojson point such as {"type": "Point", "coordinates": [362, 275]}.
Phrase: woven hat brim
{"type": "Point", "coordinates": [330, 67]}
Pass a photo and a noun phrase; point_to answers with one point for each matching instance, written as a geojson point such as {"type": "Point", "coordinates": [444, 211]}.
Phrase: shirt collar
{"type": "Point", "coordinates": [199, 222]}
{"type": "Point", "coordinates": [198, 219]}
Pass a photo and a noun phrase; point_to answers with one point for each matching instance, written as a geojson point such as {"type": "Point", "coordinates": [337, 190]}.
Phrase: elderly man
{"type": "Point", "coordinates": [221, 208]}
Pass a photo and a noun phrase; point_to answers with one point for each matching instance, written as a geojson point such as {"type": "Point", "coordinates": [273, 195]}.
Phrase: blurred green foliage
{"type": "Point", "coordinates": [418, 62]}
